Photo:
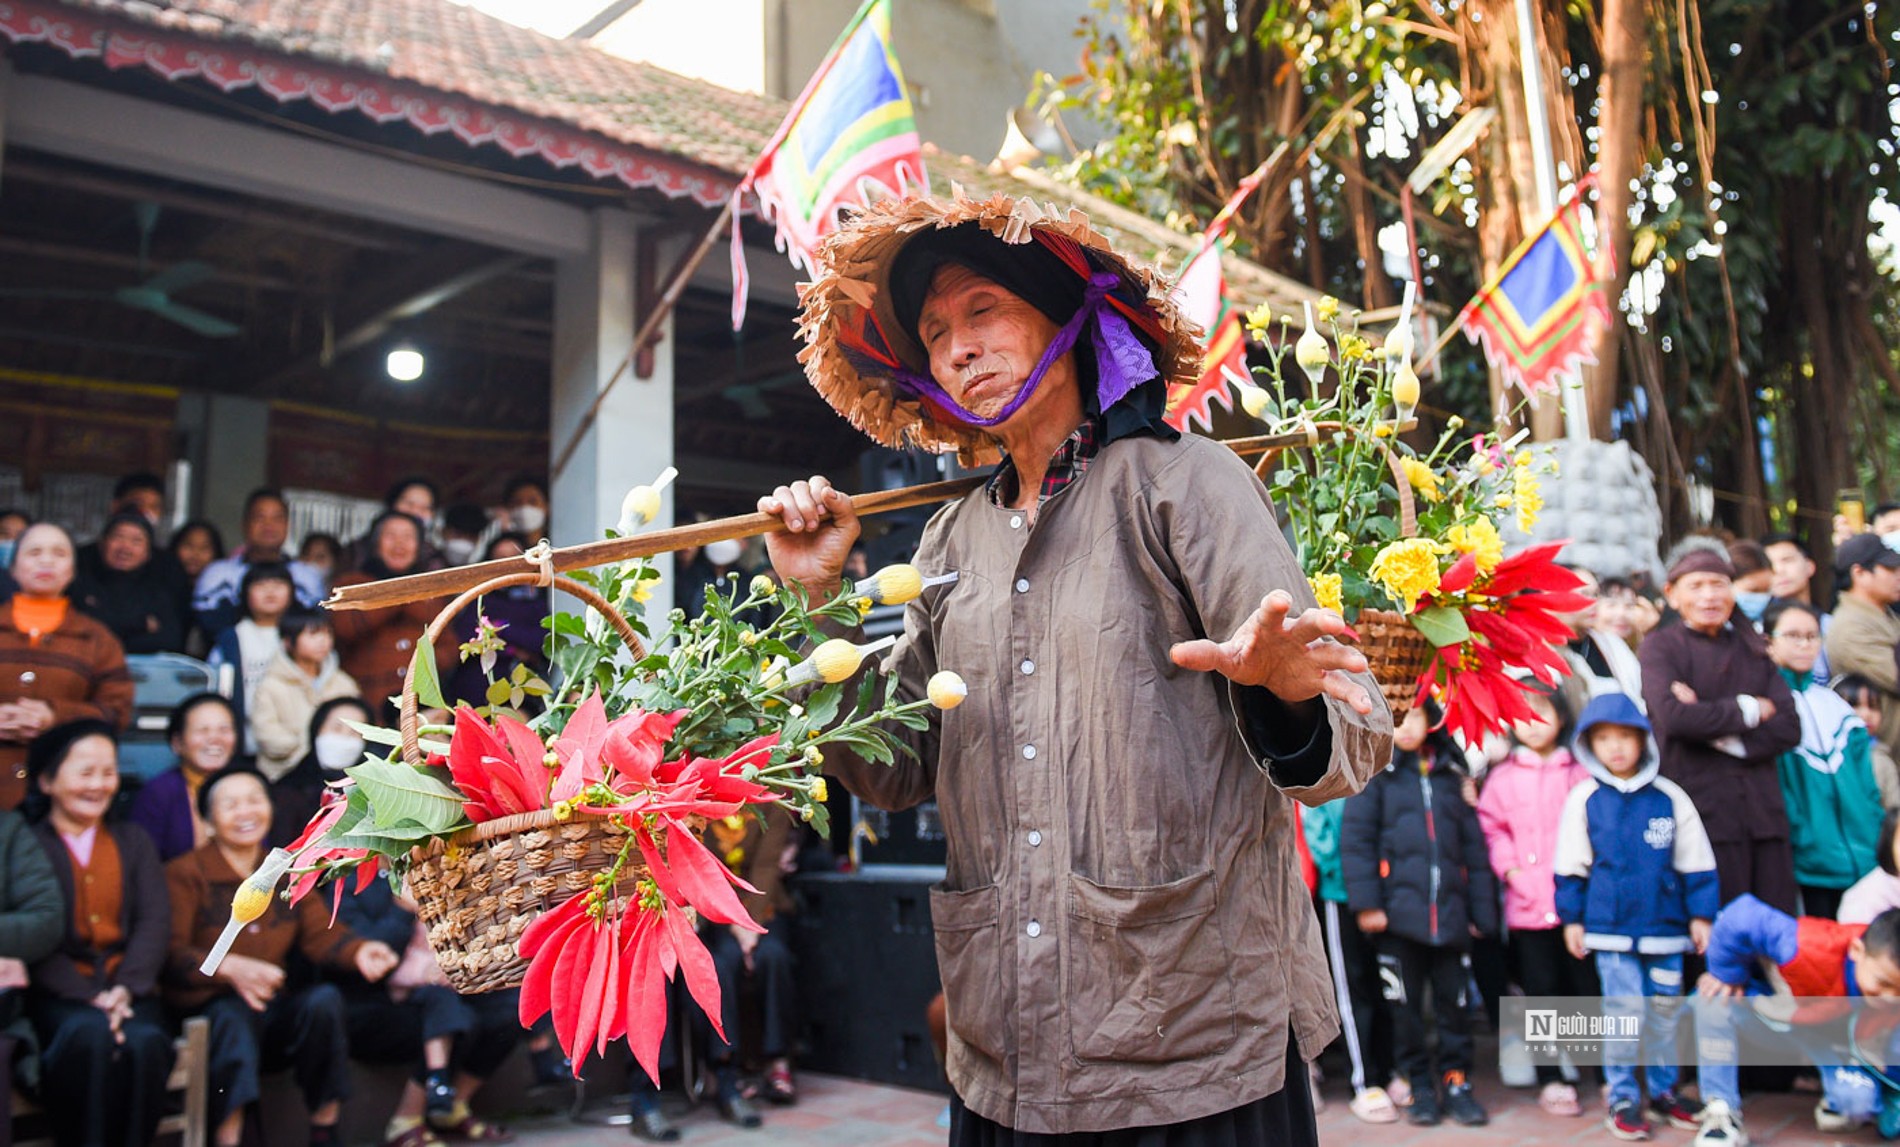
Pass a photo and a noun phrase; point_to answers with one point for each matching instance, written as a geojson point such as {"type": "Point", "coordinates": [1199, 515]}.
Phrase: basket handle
{"type": "Point", "coordinates": [411, 748]}
{"type": "Point", "coordinates": [1408, 502]}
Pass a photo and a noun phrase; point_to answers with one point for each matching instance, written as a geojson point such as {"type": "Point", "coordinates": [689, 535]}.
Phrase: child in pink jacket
{"type": "Point", "coordinates": [1522, 803]}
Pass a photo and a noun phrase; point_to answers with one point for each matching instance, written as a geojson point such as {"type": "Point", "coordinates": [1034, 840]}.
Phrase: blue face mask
{"type": "Point", "coordinates": [1753, 605]}
{"type": "Point", "coordinates": [6, 553]}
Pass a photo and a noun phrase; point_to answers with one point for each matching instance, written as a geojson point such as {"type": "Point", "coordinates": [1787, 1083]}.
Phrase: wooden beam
{"type": "Point", "coordinates": [121, 260]}
{"type": "Point", "coordinates": [88, 123]}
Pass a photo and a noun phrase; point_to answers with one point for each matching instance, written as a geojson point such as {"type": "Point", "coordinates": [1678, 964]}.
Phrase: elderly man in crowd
{"type": "Point", "coordinates": [1864, 639]}
{"type": "Point", "coordinates": [1123, 934]}
{"type": "Point", "coordinates": [1723, 714]}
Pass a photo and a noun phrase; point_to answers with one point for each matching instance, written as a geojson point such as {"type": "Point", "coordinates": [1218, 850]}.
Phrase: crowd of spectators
{"type": "Point", "coordinates": [114, 885]}
{"type": "Point", "coordinates": [1732, 708]}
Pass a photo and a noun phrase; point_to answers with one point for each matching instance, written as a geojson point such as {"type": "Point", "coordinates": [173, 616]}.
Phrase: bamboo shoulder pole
{"type": "Point", "coordinates": [441, 583]}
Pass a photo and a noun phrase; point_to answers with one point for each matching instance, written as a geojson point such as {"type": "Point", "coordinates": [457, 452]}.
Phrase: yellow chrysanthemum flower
{"type": "Point", "coordinates": [643, 589]}
{"type": "Point", "coordinates": [1478, 537]}
{"type": "Point", "coordinates": [1260, 321]}
{"type": "Point", "coordinates": [1408, 569]}
{"type": "Point", "coordinates": [1529, 497]}
{"type": "Point", "coordinates": [1329, 588]}
{"type": "Point", "coordinates": [1423, 478]}
{"type": "Point", "coordinates": [1328, 308]}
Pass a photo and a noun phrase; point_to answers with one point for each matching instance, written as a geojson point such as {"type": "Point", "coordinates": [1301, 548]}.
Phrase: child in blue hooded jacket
{"type": "Point", "coordinates": [1636, 885]}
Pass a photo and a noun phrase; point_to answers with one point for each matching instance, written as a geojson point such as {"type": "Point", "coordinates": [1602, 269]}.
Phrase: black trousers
{"type": "Point", "coordinates": [1364, 1023]}
{"type": "Point", "coordinates": [1283, 1119]}
{"type": "Point", "coordinates": [772, 973]}
{"type": "Point", "coordinates": [97, 1091]}
{"type": "Point", "coordinates": [1544, 967]}
{"type": "Point", "coordinates": [485, 1027]}
{"type": "Point", "coordinates": [302, 1029]}
{"type": "Point", "coordinates": [1822, 902]}
{"type": "Point", "coordinates": [1763, 867]}
{"type": "Point", "coordinates": [1407, 970]}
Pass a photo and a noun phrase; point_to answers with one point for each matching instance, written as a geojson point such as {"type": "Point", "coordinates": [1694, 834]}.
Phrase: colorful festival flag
{"type": "Point", "coordinates": [850, 134]}
{"type": "Point", "coordinates": [1538, 317]}
{"type": "Point", "coordinates": [1202, 292]}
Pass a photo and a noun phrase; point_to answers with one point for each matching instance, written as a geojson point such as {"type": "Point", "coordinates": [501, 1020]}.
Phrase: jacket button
{"type": "Point", "coordinates": [1029, 752]}
{"type": "Point", "coordinates": [1022, 585]}
{"type": "Point", "coordinates": [28, 677]}
{"type": "Point", "coordinates": [1035, 838]}
{"type": "Point", "coordinates": [1015, 521]}
{"type": "Point", "coordinates": [1028, 667]}
{"type": "Point", "coordinates": [1034, 929]}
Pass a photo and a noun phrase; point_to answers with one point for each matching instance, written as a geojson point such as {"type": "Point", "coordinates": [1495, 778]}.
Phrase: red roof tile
{"type": "Point", "coordinates": [456, 49]}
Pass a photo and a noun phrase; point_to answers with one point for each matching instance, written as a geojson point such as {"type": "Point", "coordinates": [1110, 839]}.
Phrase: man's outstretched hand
{"type": "Point", "coordinates": [1291, 657]}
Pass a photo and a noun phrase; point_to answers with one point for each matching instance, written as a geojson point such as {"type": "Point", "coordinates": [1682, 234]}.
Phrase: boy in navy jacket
{"type": "Point", "coordinates": [1418, 878]}
{"type": "Point", "coordinates": [1636, 884]}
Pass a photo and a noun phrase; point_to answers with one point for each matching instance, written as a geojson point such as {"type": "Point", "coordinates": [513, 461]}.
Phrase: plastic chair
{"type": "Point", "coordinates": [159, 682]}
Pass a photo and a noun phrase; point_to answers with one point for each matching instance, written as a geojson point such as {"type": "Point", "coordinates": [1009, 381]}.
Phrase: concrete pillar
{"type": "Point", "coordinates": [631, 439]}
{"type": "Point", "coordinates": [227, 440]}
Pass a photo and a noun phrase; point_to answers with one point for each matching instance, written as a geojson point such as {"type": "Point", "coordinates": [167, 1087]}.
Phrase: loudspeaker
{"type": "Point", "coordinates": [867, 969]}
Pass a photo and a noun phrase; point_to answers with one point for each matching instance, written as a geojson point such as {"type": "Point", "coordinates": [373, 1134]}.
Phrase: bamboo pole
{"type": "Point", "coordinates": [456, 579]}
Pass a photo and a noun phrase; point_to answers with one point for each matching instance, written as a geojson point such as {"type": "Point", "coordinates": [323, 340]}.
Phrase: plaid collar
{"type": "Point", "coordinates": [1070, 460]}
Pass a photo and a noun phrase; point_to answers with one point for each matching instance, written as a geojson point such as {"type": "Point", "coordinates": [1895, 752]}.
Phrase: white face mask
{"type": "Point", "coordinates": [723, 553]}
{"type": "Point", "coordinates": [338, 751]}
{"type": "Point", "coordinates": [529, 519]}
{"type": "Point", "coordinates": [459, 551]}
{"type": "Point", "coordinates": [1892, 538]}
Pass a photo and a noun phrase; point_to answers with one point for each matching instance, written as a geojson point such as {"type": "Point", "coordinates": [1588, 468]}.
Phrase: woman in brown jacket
{"type": "Point", "coordinates": [56, 664]}
{"type": "Point", "coordinates": [378, 645]}
{"type": "Point", "coordinates": [259, 1022]}
{"type": "Point", "coordinates": [94, 1000]}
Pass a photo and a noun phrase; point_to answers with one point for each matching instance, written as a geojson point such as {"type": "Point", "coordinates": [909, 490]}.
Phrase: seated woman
{"type": "Point", "coordinates": [452, 1042]}
{"type": "Point", "coordinates": [378, 646]}
{"type": "Point", "coordinates": [204, 736]}
{"type": "Point", "coordinates": [131, 586]}
{"type": "Point", "coordinates": [334, 746]}
{"type": "Point", "coordinates": [259, 1021]}
{"type": "Point", "coordinates": [56, 664]}
{"type": "Point", "coordinates": [105, 1051]}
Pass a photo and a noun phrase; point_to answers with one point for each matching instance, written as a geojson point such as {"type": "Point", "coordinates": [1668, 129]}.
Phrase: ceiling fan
{"type": "Point", "coordinates": [154, 294]}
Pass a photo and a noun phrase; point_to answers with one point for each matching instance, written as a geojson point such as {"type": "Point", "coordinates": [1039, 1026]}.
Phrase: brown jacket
{"type": "Point", "coordinates": [378, 645]}
{"type": "Point", "coordinates": [1123, 933]}
{"type": "Point", "coordinates": [78, 970]}
{"type": "Point", "coordinates": [78, 669]}
{"type": "Point", "coordinates": [1866, 640]}
{"type": "Point", "coordinates": [201, 883]}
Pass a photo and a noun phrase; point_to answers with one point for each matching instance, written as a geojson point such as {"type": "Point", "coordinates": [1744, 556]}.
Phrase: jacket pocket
{"type": "Point", "coordinates": [1148, 972]}
{"type": "Point", "coordinates": [970, 958]}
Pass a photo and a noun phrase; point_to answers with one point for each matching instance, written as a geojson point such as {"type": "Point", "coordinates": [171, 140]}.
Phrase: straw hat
{"type": "Point", "coordinates": [855, 345]}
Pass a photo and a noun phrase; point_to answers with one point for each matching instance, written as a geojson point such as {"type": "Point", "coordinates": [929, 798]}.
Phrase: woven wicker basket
{"type": "Point", "coordinates": [477, 891]}
{"type": "Point", "coordinates": [1396, 652]}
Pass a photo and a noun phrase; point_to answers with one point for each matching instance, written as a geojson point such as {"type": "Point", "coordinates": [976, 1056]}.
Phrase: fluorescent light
{"type": "Point", "coordinates": [405, 363]}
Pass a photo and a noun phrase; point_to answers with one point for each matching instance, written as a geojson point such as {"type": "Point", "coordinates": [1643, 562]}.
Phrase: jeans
{"type": "Point", "coordinates": [1722, 1025]}
{"type": "Point", "coordinates": [1628, 976]}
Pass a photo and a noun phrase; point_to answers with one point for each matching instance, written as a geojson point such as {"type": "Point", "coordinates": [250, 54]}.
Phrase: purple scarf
{"type": "Point", "coordinates": [1121, 361]}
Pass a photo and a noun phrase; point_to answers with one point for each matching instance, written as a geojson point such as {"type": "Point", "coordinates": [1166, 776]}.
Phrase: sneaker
{"type": "Point", "coordinates": [1400, 1091]}
{"type": "Point", "coordinates": [1721, 1127]}
{"type": "Point", "coordinates": [1626, 1121]}
{"type": "Point", "coordinates": [1424, 1111]}
{"type": "Point", "coordinates": [1373, 1105]}
{"type": "Point", "coordinates": [438, 1094]}
{"type": "Point", "coordinates": [1463, 1106]}
{"type": "Point", "coordinates": [1831, 1122]}
{"type": "Point", "coordinates": [1682, 1114]}
{"type": "Point", "coordinates": [649, 1122]}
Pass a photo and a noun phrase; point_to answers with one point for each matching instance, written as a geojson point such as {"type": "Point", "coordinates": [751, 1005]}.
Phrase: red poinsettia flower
{"type": "Point", "coordinates": [311, 855]}
{"type": "Point", "coordinates": [499, 779]}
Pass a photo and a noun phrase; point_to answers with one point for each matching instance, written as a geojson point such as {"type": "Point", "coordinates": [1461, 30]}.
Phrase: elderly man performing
{"type": "Point", "coordinates": [1128, 953]}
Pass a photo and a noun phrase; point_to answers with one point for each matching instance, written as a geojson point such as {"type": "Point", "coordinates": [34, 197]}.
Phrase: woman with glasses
{"type": "Point", "coordinates": [1828, 779]}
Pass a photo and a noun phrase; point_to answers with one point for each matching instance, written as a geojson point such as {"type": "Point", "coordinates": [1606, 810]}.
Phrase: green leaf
{"type": "Point", "coordinates": [1442, 626]}
{"type": "Point", "coordinates": [398, 794]}
{"type": "Point", "coordinates": [499, 692]}
{"type": "Point", "coordinates": [423, 679]}
{"type": "Point", "coordinates": [375, 734]}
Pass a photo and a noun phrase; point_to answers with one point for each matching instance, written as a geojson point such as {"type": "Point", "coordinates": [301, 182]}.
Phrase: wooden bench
{"type": "Point", "coordinates": [190, 1071]}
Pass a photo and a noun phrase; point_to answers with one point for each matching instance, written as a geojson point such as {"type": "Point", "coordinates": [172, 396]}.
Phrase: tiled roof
{"type": "Point", "coordinates": [456, 49]}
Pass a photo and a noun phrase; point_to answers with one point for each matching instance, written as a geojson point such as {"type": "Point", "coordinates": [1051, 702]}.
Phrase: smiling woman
{"type": "Point", "coordinates": [106, 1051]}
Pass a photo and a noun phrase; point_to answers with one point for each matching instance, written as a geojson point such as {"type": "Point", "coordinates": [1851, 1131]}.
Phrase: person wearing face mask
{"type": "Point", "coordinates": [94, 1000]}
{"type": "Point", "coordinates": [204, 736]}
{"type": "Point", "coordinates": [303, 675]}
{"type": "Point", "coordinates": [56, 664]}
{"type": "Point", "coordinates": [333, 747]}
{"type": "Point", "coordinates": [1723, 715]}
{"type": "Point", "coordinates": [1754, 579]}
{"type": "Point", "coordinates": [261, 1019]}
{"type": "Point", "coordinates": [516, 614]}
{"type": "Point", "coordinates": [705, 568]}
{"type": "Point", "coordinates": [525, 506]}
{"type": "Point", "coordinates": [463, 525]}
{"type": "Point", "coordinates": [13, 523]}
